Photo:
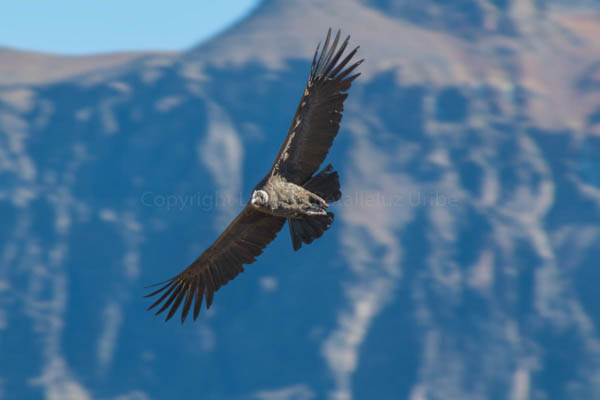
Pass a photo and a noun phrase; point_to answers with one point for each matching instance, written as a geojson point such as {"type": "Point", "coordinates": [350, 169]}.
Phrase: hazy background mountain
{"type": "Point", "coordinates": [461, 263]}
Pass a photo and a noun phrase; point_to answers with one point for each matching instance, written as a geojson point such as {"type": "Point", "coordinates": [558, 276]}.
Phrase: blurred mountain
{"type": "Point", "coordinates": [32, 68]}
{"type": "Point", "coordinates": [460, 265]}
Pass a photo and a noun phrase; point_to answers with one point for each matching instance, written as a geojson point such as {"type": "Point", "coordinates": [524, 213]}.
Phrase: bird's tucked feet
{"type": "Point", "coordinates": [311, 226]}
{"type": "Point", "coordinates": [316, 206]}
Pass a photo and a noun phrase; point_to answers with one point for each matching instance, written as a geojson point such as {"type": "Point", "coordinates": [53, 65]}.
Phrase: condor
{"type": "Point", "coordinates": [291, 191]}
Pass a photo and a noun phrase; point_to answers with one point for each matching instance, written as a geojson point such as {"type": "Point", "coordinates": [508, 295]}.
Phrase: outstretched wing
{"type": "Point", "coordinates": [318, 116]}
{"type": "Point", "coordinates": [242, 241]}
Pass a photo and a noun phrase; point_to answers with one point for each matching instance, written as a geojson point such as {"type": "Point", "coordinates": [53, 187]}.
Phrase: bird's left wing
{"type": "Point", "coordinates": [242, 241]}
{"type": "Point", "coordinates": [317, 119]}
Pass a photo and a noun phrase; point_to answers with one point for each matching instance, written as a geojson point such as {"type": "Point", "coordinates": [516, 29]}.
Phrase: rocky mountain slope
{"type": "Point", "coordinates": [460, 265]}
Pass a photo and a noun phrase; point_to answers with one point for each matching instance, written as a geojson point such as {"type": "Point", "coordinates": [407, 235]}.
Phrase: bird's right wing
{"type": "Point", "coordinates": [242, 241]}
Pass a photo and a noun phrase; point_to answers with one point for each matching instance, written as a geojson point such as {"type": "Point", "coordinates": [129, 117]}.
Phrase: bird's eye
{"type": "Point", "coordinates": [264, 197]}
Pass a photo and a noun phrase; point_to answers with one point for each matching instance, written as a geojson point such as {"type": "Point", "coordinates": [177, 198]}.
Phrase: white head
{"type": "Point", "coordinates": [259, 198]}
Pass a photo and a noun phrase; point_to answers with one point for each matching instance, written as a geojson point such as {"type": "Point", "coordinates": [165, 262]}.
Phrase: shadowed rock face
{"type": "Point", "coordinates": [462, 262]}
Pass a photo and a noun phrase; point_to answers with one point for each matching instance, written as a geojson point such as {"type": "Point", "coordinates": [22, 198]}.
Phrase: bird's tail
{"type": "Point", "coordinates": [326, 185]}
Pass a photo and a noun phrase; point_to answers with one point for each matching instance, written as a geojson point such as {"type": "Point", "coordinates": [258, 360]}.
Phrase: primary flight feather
{"type": "Point", "coordinates": [291, 191]}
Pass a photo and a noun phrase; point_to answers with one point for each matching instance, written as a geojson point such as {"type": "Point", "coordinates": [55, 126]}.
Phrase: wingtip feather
{"type": "Point", "coordinates": [326, 63]}
{"type": "Point", "coordinates": [188, 302]}
{"type": "Point", "coordinates": [169, 282]}
{"type": "Point", "coordinates": [176, 304]}
{"type": "Point", "coordinates": [323, 52]}
{"type": "Point", "coordinates": [198, 302]}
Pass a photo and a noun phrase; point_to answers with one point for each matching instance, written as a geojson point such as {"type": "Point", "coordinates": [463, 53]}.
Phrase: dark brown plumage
{"type": "Point", "coordinates": [288, 192]}
{"type": "Point", "coordinates": [317, 119]}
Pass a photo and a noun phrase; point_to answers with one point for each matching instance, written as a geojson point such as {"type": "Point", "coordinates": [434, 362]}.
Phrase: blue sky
{"type": "Point", "coordinates": [81, 27]}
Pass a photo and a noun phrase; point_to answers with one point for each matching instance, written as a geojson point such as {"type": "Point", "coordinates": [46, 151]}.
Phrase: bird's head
{"type": "Point", "coordinates": [259, 198]}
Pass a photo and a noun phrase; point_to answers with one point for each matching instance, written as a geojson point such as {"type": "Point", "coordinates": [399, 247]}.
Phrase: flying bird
{"type": "Point", "coordinates": [291, 191]}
